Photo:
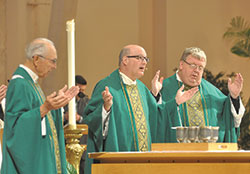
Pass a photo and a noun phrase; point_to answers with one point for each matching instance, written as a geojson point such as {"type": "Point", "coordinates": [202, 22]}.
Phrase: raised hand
{"type": "Point", "coordinates": [3, 89]}
{"type": "Point", "coordinates": [236, 86]}
{"type": "Point", "coordinates": [70, 93]}
{"type": "Point", "coordinates": [156, 84]}
{"type": "Point", "coordinates": [56, 101]}
{"type": "Point", "coordinates": [107, 98]}
{"type": "Point", "coordinates": [183, 96]}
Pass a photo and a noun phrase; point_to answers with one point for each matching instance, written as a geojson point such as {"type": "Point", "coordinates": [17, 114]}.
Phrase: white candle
{"type": "Point", "coordinates": [71, 70]}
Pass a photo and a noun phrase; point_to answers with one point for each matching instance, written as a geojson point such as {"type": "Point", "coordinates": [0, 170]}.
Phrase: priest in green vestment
{"type": "Point", "coordinates": [208, 107]}
{"type": "Point", "coordinates": [33, 138]}
{"type": "Point", "coordinates": [122, 114]}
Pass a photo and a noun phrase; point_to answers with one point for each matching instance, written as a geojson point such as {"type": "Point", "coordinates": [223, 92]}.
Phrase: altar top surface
{"type": "Point", "coordinates": [172, 156]}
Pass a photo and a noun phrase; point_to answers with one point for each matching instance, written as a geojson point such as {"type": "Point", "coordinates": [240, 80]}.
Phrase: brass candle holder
{"type": "Point", "coordinates": [73, 149]}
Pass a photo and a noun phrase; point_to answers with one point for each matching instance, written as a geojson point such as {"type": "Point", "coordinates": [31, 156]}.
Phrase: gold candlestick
{"type": "Point", "coordinates": [73, 149]}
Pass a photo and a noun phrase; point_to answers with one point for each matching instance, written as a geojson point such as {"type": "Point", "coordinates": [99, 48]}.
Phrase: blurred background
{"type": "Point", "coordinates": [163, 27]}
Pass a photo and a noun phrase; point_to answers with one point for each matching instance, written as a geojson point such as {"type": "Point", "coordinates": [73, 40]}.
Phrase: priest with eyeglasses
{"type": "Point", "coordinates": [122, 114]}
{"type": "Point", "coordinates": [208, 106]}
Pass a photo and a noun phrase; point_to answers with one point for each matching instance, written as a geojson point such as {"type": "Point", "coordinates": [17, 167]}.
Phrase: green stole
{"type": "Point", "coordinates": [216, 106]}
{"type": "Point", "coordinates": [195, 109]}
{"type": "Point", "coordinates": [137, 117]}
{"type": "Point", "coordinates": [41, 97]}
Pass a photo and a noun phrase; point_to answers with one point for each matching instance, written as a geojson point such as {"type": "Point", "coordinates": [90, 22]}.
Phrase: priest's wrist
{"type": "Point", "coordinates": [157, 97]}
{"type": "Point", "coordinates": [44, 109]}
{"type": "Point", "coordinates": [107, 108]}
{"type": "Point", "coordinates": [177, 103]}
{"type": "Point", "coordinates": [155, 94]}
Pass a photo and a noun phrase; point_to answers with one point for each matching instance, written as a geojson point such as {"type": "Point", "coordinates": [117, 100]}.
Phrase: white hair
{"type": "Point", "coordinates": [38, 47]}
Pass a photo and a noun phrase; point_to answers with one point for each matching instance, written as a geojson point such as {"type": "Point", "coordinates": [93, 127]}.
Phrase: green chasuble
{"type": "Point", "coordinates": [122, 134]}
{"type": "Point", "coordinates": [25, 150]}
{"type": "Point", "coordinates": [215, 105]}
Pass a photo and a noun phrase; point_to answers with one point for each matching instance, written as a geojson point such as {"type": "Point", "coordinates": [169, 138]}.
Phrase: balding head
{"type": "Point", "coordinates": [41, 57]}
{"type": "Point", "coordinates": [132, 61]}
{"type": "Point", "coordinates": [129, 50]}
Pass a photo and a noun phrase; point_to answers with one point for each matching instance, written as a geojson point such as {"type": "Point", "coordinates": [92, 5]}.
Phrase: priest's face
{"type": "Point", "coordinates": [191, 70]}
{"type": "Point", "coordinates": [136, 62]}
{"type": "Point", "coordinates": [46, 64]}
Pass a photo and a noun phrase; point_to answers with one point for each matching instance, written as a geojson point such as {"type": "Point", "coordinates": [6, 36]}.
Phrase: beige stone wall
{"type": "Point", "coordinates": [163, 27]}
{"type": "Point", "coordinates": [202, 24]}
{"type": "Point", "coordinates": [102, 29]}
{"type": "Point", "coordinates": [106, 26]}
{"type": "Point", "coordinates": [3, 41]}
{"type": "Point", "coordinates": [23, 21]}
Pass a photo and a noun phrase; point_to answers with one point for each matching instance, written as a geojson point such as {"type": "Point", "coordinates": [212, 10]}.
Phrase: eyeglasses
{"type": "Point", "coordinates": [139, 57]}
{"type": "Point", "coordinates": [54, 61]}
{"type": "Point", "coordinates": [194, 66]}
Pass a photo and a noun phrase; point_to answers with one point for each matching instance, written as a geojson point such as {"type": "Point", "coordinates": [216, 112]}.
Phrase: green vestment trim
{"type": "Point", "coordinates": [139, 117]}
{"type": "Point", "coordinates": [130, 115]}
{"type": "Point", "coordinates": [195, 109]}
{"type": "Point", "coordinates": [41, 96]}
{"type": "Point", "coordinates": [122, 131]}
{"type": "Point", "coordinates": [25, 150]}
{"type": "Point", "coordinates": [216, 110]}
